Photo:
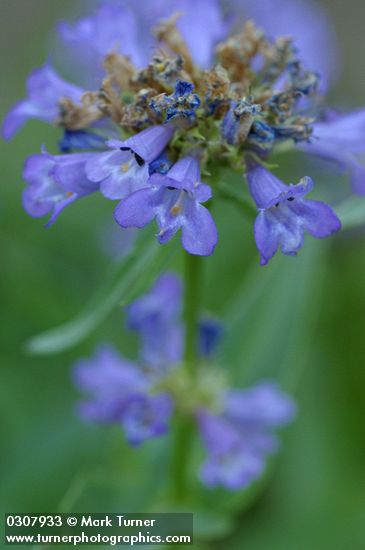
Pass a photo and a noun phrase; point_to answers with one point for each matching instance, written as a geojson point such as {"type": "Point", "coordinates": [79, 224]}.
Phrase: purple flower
{"type": "Point", "coordinates": [124, 169]}
{"type": "Point", "coordinates": [284, 215]}
{"type": "Point", "coordinates": [80, 140]}
{"type": "Point", "coordinates": [180, 105]}
{"type": "Point", "coordinates": [111, 381]}
{"type": "Point", "coordinates": [306, 22]}
{"type": "Point", "coordinates": [147, 416]}
{"type": "Point", "coordinates": [230, 463]}
{"type": "Point", "coordinates": [175, 201]}
{"type": "Point", "coordinates": [119, 394]}
{"type": "Point", "coordinates": [161, 165]}
{"type": "Point", "coordinates": [341, 139]}
{"type": "Point", "coordinates": [240, 438]}
{"type": "Point", "coordinates": [210, 333]}
{"type": "Point", "coordinates": [262, 405]}
{"type": "Point", "coordinates": [155, 316]}
{"type": "Point", "coordinates": [202, 26]}
{"type": "Point", "coordinates": [238, 121]}
{"type": "Point", "coordinates": [125, 27]}
{"type": "Point", "coordinates": [112, 27]}
{"type": "Point", "coordinates": [45, 88]}
{"type": "Point", "coordinates": [54, 182]}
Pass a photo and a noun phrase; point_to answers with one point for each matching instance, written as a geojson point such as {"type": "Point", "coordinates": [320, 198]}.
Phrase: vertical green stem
{"type": "Point", "coordinates": [181, 449]}
{"type": "Point", "coordinates": [184, 424]}
{"type": "Point", "coordinates": [192, 296]}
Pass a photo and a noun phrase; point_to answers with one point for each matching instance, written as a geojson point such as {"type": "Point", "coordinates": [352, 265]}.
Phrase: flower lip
{"type": "Point", "coordinates": [185, 175]}
{"type": "Point", "coordinates": [268, 191]}
{"type": "Point", "coordinates": [163, 180]}
{"type": "Point", "coordinates": [147, 145]}
{"type": "Point", "coordinates": [44, 90]}
{"type": "Point", "coordinates": [293, 192]}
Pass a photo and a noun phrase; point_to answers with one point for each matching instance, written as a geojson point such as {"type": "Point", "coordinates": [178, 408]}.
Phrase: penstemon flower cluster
{"type": "Point", "coordinates": [179, 122]}
{"type": "Point", "coordinates": [236, 426]}
{"type": "Point", "coordinates": [155, 121]}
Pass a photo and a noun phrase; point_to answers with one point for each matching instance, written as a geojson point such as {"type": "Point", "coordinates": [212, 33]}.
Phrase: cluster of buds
{"type": "Point", "coordinates": [250, 99]}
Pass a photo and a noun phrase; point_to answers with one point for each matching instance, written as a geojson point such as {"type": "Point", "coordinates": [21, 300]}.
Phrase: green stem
{"type": "Point", "coordinates": [184, 425]}
{"type": "Point", "coordinates": [181, 449]}
{"type": "Point", "coordinates": [192, 295]}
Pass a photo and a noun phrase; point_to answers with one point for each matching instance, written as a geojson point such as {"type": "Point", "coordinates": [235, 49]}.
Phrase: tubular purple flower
{"type": "Point", "coordinates": [124, 169]}
{"type": "Point", "coordinates": [112, 27]}
{"type": "Point", "coordinates": [118, 394]}
{"type": "Point", "coordinates": [110, 380]}
{"type": "Point", "coordinates": [229, 463]}
{"type": "Point", "coordinates": [304, 20]}
{"type": "Point", "coordinates": [155, 316]}
{"type": "Point", "coordinates": [238, 121]}
{"type": "Point", "coordinates": [210, 333]}
{"type": "Point", "coordinates": [161, 303]}
{"type": "Point", "coordinates": [201, 23]}
{"type": "Point", "coordinates": [80, 140]}
{"type": "Point", "coordinates": [174, 199]}
{"type": "Point", "coordinates": [180, 105]}
{"type": "Point", "coordinates": [147, 416]}
{"type": "Point", "coordinates": [341, 139]}
{"type": "Point", "coordinates": [45, 88]}
{"type": "Point", "coordinates": [264, 404]}
{"type": "Point", "coordinates": [123, 27]}
{"type": "Point", "coordinates": [240, 438]}
{"type": "Point", "coordinates": [284, 214]}
{"type": "Point", "coordinates": [54, 182]}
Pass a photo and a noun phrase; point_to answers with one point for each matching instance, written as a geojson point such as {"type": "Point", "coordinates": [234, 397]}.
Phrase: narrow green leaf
{"type": "Point", "coordinates": [271, 332]}
{"type": "Point", "coordinates": [269, 318]}
{"type": "Point", "coordinates": [121, 285]}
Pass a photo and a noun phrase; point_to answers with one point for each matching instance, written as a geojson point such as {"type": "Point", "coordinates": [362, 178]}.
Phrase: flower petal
{"type": "Point", "coordinates": [45, 89]}
{"type": "Point", "coordinates": [263, 404]}
{"type": "Point", "coordinates": [316, 217]}
{"type": "Point", "coordinates": [100, 165]}
{"type": "Point", "coordinates": [306, 22]}
{"type": "Point", "coordinates": [120, 184]}
{"type": "Point", "coordinates": [69, 171]}
{"type": "Point", "coordinates": [264, 186]}
{"type": "Point", "coordinates": [150, 143]}
{"type": "Point", "coordinates": [138, 209]}
{"type": "Point", "coordinates": [146, 417]}
{"type": "Point", "coordinates": [199, 232]}
{"type": "Point", "coordinates": [266, 237]}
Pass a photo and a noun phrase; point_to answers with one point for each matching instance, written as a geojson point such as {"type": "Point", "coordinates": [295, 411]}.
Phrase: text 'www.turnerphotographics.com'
{"type": "Point", "coordinates": [112, 529]}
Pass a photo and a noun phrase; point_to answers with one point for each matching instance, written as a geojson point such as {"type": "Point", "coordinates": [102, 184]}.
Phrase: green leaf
{"type": "Point", "coordinates": [271, 316]}
{"type": "Point", "coordinates": [270, 333]}
{"type": "Point", "coordinates": [352, 212]}
{"type": "Point", "coordinates": [123, 283]}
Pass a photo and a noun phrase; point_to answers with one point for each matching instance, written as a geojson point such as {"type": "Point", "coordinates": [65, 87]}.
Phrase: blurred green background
{"type": "Point", "coordinates": [300, 320]}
